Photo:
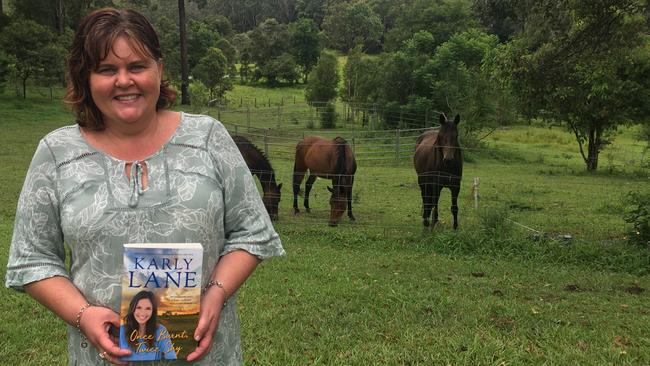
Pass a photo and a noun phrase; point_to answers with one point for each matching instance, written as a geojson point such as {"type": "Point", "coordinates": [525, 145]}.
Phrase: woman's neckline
{"type": "Point", "coordinates": [101, 151]}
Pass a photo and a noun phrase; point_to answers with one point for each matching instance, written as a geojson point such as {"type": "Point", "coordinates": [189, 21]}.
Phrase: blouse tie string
{"type": "Point", "coordinates": [137, 188]}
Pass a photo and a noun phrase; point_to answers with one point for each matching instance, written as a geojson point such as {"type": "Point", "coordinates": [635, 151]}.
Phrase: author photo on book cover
{"type": "Point", "coordinates": [131, 170]}
{"type": "Point", "coordinates": [142, 334]}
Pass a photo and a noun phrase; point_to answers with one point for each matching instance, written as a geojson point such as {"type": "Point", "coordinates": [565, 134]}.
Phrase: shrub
{"type": "Point", "coordinates": [199, 94]}
{"type": "Point", "coordinates": [637, 213]}
{"type": "Point", "coordinates": [328, 116]}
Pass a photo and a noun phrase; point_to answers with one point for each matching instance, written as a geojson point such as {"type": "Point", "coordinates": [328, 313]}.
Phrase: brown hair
{"type": "Point", "coordinates": [91, 44]}
{"type": "Point", "coordinates": [130, 324]}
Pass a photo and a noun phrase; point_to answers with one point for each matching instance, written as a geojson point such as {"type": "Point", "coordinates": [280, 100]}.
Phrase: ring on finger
{"type": "Point", "coordinates": [103, 354]}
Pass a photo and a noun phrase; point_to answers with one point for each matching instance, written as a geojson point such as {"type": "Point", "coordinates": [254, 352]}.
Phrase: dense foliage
{"type": "Point", "coordinates": [637, 214]}
{"type": "Point", "coordinates": [582, 64]}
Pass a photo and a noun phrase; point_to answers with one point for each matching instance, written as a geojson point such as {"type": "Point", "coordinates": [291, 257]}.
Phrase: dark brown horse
{"type": "Point", "coordinates": [439, 163]}
{"type": "Point", "coordinates": [260, 167]}
{"type": "Point", "coordinates": [328, 159]}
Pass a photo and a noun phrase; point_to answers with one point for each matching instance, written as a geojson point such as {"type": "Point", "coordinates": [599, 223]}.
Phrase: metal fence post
{"type": "Point", "coordinates": [397, 146]}
{"type": "Point", "coordinates": [248, 118]}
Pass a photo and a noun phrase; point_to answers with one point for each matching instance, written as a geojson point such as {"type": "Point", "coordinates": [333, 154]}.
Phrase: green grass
{"type": "Point", "coordinates": [384, 291]}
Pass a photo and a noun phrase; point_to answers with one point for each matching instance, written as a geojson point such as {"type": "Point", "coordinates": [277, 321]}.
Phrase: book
{"type": "Point", "coordinates": [161, 297]}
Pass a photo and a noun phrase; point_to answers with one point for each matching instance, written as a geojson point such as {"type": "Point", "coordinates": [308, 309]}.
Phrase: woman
{"type": "Point", "coordinates": [142, 334]}
{"type": "Point", "coordinates": [133, 171]}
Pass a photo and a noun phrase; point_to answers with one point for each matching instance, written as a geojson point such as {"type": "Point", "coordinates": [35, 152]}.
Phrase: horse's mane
{"type": "Point", "coordinates": [263, 164]}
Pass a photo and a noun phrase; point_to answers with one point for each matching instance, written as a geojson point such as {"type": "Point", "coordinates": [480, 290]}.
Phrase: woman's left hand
{"type": "Point", "coordinates": [211, 305]}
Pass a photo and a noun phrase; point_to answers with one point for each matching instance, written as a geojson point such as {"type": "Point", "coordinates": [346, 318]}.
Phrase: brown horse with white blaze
{"type": "Point", "coordinates": [438, 162]}
{"type": "Point", "coordinates": [328, 159]}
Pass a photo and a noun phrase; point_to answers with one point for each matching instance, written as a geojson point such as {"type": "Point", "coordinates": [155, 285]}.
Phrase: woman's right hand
{"type": "Point", "coordinates": [95, 323]}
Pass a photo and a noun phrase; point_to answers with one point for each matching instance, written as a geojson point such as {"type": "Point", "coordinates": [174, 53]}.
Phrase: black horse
{"type": "Point", "coordinates": [438, 162]}
{"type": "Point", "coordinates": [260, 167]}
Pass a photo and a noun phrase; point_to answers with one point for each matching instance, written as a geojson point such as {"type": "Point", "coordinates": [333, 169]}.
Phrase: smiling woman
{"type": "Point", "coordinates": [125, 86]}
{"type": "Point", "coordinates": [140, 321]}
{"type": "Point", "coordinates": [133, 171]}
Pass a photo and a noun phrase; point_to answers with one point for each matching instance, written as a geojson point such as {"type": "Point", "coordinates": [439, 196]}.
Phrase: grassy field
{"type": "Point", "coordinates": [506, 288]}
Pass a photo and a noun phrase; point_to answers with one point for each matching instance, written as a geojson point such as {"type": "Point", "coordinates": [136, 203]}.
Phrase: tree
{"type": "Point", "coordinates": [211, 70]}
{"type": "Point", "coordinates": [312, 9]}
{"type": "Point", "coordinates": [268, 41]}
{"type": "Point", "coordinates": [243, 46]}
{"type": "Point", "coordinates": [52, 58]}
{"type": "Point", "coordinates": [441, 18]}
{"type": "Point", "coordinates": [323, 79]}
{"type": "Point", "coordinates": [460, 83]}
{"type": "Point", "coordinates": [185, 74]}
{"type": "Point", "coordinates": [580, 63]}
{"type": "Point", "coordinates": [306, 44]}
{"type": "Point", "coordinates": [200, 38]}
{"type": "Point", "coordinates": [347, 24]}
{"type": "Point", "coordinates": [361, 77]}
{"type": "Point", "coordinates": [282, 67]}
{"type": "Point", "coordinates": [29, 45]}
{"type": "Point", "coordinates": [4, 70]}
{"type": "Point", "coordinates": [397, 84]}
{"type": "Point", "coordinates": [502, 17]}
{"type": "Point", "coordinates": [248, 14]}
{"type": "Point", "coordinates": [170, 45]}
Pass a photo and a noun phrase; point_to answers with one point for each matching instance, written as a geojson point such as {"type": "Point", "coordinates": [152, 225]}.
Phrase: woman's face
{"type": "Point", "coordinates": [143, 311]}
{"type": "Point", "coordinates": [126, 86]}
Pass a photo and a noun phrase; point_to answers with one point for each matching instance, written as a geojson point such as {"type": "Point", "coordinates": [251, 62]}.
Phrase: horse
{"type": "Point", "coordinates": [328, 159]}
{"type": "Point", "coordinates": [259, 166]}
{"type": "Point", "coordinates": [438, 162]}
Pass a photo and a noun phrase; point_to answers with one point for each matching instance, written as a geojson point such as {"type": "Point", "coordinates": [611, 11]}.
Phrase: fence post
{"type": "Point", "coordinates": [353, 143]}
{"type": "Point", "coordinates": [255, 102]}
{"type": "Point", "coordinates": [376, 112]}
{"type": "Point", "coordinates": [475, 189]}
{"type": "Point", "coordinates": [266, 142]}
{"type": "Point", "coordinates": [426, 118]}
{"type": "Point", "coordinates": [279, 111]}
{"type": "Point", "coordinates": [397, 146]}
{"type": "Point", "coordinates": [248, 118]}
{"type": "Point", "coordinates": [218, 113]}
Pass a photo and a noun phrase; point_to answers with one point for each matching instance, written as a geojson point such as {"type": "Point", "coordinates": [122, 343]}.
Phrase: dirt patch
{"type": "Point", "coordinates": [634, 289]}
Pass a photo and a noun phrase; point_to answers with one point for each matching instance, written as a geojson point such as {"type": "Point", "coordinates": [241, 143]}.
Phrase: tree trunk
{"type": "Point", "coordinates": [60, 16]}
{"type": "Point", "coordinates": [24, 88]}
{"type": "Point", "coordinates": [185, 80]}
{"type": "Point", "coordinates": [593, 149]}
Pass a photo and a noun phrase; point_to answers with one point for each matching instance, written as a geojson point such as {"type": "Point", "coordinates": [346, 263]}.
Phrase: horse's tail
{"type": "Point", "coordinates": [341, 169]}
{"type": "Point", "coordinates": [341, 146]}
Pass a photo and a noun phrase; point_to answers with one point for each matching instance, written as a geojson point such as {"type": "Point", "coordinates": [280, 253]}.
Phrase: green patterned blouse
{"type": "Point", "coordinates": [199, 190]}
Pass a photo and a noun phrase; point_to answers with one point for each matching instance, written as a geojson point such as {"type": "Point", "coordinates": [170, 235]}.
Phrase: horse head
{"type": "Point", "coordinates": [448, 138]}
{"type": "Point", "coordinates": [271, 199]}
{"type": "Point", "coordinates": [338, 204]}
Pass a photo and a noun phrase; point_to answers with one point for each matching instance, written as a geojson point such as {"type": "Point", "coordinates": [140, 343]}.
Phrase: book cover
{"type": "Point", "coordinates": [161, 297]}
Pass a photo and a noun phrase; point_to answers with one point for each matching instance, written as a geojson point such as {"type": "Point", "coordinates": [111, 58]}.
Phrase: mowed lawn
{"type": "Point", "coordinates": [383, 291]}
